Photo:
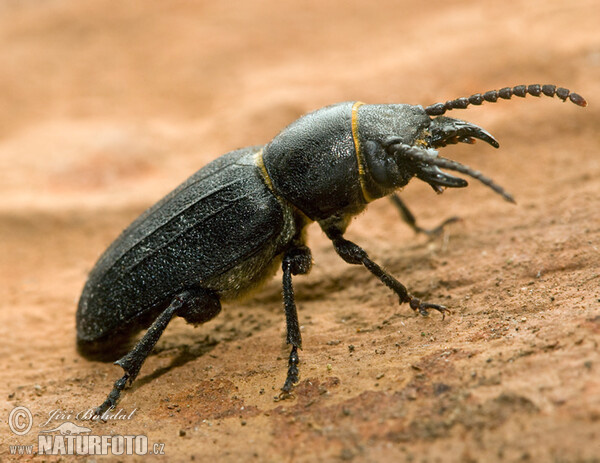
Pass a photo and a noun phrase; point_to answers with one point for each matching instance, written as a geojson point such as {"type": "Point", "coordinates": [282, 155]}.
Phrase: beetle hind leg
{"type": "Point", "coordinates": [194, 305]}
{"type": "Point", "coordinates": [296, 261]}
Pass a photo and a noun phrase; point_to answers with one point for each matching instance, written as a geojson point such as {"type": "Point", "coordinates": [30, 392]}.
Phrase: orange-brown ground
{"type": "Point", "coordinates": [105, 106]}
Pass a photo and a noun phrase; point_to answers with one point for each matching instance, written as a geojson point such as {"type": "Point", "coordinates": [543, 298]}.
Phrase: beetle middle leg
{"type": "Point", "coordinates": [296, 261]}
{"type": "Point", "coordinates": [195, 305]}
{"type": "Point", "coordinates": [354, 254]}
{"type": "Point", "coordinates": [409, 218]}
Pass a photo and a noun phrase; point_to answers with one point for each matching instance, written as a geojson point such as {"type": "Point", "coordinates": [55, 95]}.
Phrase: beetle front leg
{"type": "Point", "coordinates": [296, 261]}
{"type": "Point", "coordinates": [409, 218]}
{"type": "Point", "coordinates": [354, 254]}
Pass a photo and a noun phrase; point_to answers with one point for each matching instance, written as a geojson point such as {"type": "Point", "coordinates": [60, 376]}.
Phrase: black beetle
{"type": "Point", "coordinates": [226, 229]}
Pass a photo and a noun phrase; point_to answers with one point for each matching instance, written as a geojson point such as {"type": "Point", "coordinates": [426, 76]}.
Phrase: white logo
{"type": "Point", "coordinates": [69, 438]}
{"type": "Point", "coordinates": [20, 421]}
{"type": "Point", "coordinates": [68, 428]}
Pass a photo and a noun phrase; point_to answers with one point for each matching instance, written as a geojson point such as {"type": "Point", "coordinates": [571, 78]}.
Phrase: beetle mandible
{"type": "Point", "coordinates": [227, 228]}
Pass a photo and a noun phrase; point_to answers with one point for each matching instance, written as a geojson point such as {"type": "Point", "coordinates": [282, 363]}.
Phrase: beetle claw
{"type": "Point", "coordinates": [283, 395]}
{"type": "Point", "coordinates": [417, 305]}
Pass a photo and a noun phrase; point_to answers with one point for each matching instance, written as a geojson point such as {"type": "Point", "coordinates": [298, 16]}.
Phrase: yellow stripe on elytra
{"type": "Point", "coordinates": [359, 158]}
{"type": "Point", "coordinates": [258, 159]}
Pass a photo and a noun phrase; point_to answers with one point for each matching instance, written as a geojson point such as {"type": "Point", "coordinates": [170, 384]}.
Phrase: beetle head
{"type": "Point", "coordinates": [394, 160]}
{"type": "Point", "coordinates": [391, 161]}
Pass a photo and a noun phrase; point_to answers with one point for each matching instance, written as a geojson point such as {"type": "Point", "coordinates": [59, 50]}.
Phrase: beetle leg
{"type": "Point", "coordinates": [133, 360]}
{"type": "Point", "coordinates": [296, 261]}
{"type": "Point", "coordinates": [183, 304]}
{"type": "Point", "coordinates": [409, 218]}
{"type": "Point", "coordinates": [354, 254]}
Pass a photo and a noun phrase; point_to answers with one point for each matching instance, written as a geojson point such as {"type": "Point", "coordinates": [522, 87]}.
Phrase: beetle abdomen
{"type": "Point", "coordinates": [221, 217]}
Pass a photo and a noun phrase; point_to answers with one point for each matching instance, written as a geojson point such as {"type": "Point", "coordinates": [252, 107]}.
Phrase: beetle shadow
{"type": "Point", "coordinates": [270, 298]}
{"type": "Point", "coordinates": [186, 354]}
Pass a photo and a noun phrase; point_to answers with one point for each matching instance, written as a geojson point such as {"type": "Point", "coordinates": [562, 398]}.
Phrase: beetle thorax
{"type": "Point", "coordinates": [312, 164]}
{"type": "Point", "coordinates": [374, 127]}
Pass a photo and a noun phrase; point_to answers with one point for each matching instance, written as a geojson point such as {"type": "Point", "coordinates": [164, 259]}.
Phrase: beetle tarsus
{"type": "Point", "coordinates": [112, 399]}
{"type": "Point", "coordinates": [437, 231]}
{"type": "Point", "coordinates": [409, 218]}
{"type": "Point", "coordinates": [292, 374]}
{"type": "Point", "coordinates": [418, 306]}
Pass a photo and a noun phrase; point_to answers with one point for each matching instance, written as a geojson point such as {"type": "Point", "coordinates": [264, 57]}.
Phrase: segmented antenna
{"type": "Point", "coordinates": [421, 155]}
{"type": "Point", "coordinates": [505, 93]}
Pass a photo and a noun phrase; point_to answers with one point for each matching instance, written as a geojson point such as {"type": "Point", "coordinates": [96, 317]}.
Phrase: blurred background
{"type": "Point", "coordinates": [97, 94]}
{"type": "Point", "coordinates": [106, 105]}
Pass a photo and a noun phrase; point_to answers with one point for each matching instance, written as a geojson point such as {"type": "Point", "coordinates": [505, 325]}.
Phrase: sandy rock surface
{"type": "Point", "coordinates": [106, 106]}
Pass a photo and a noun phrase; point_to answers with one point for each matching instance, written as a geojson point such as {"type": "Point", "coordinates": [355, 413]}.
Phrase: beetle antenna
{"type": "Point", "coordinates": [426, 157]}
{"type": "Point", "coordinates": [506, 93]}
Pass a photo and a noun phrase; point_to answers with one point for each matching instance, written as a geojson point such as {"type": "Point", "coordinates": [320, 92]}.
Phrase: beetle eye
{"type": "Point", "coordinates": [381, 164]}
